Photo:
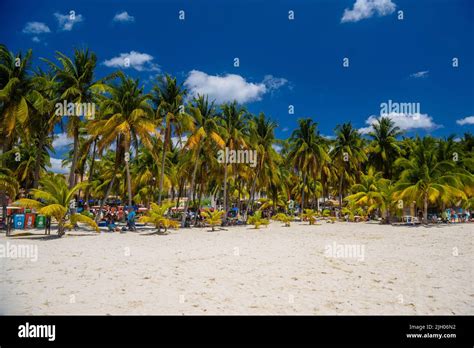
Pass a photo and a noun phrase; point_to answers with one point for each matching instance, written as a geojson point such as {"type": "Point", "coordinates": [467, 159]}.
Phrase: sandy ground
{"type": "Point", "coordinates": [274, 270]}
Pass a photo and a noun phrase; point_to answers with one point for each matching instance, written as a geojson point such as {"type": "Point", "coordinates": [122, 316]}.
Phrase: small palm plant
{"type": "Point", "coordinates": [257, 220]}
{"type": "Point", "coordinates": [213, 218]}
{"type": "Point", "coordinates": [55, 202]}
{"type": "Point", "coordinates": [157, 216]}
{"type": "Point", "coordinates": [310, 216]}
{"type": "Point", "coordinates": [286, 219]}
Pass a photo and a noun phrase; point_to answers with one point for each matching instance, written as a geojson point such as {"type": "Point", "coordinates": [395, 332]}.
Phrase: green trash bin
{"type": "Point", "coordinates": [40, 221]}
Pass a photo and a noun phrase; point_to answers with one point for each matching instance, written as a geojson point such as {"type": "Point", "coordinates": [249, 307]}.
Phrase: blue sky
{"type": "Point", "coordinates": [283, 62]}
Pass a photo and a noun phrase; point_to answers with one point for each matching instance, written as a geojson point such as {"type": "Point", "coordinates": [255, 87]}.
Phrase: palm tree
{"type": "Point", "coordinates": [234, 132]}
{"type": "Point", "coordinates": [127, 121]}
{"type": "Point", "coordinates": [425, 179]}
{"type": "Point", "coordinates": [55, 199]}
{"type": "Point", "coordinates": [213, 218]}
{"type": "Point", "coordinates": [369, 193]}
{"type": "Point", "coordinates": [15, 84]}
{"type": "Point", "coordinates": [168, 97]}
{"type": "Point", "coordinates": [76, 84]}
{"type": "Point", "coordinates": [308, 152]}
{"type": "Point", "coordinates": [262, 139]}
{"type": "Point", "coordinates": [257, 220]}
{"type": "Point", "coordinates": [205, 132]}
{"type": "Point", "coordinates": [156, 216]}
{"type": "Point", "coordinates": [347, 156]}
{"type": "Point", "coordinates": [385, 146]}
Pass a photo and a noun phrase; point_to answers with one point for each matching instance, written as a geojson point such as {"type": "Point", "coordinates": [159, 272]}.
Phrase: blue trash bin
{"type": "Point", "coordinates": [19, 221]}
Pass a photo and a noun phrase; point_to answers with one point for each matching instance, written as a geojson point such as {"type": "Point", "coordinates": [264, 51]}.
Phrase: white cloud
{"type": "Point", "coordinates": [224, 88]}
{"type": "Point", "coordinates": [35, 39]}
{"type": "Point", "coordinates": [36, 28]}
{"type": "Point", "coordinates": [62, 140]}
{"type": "Point", "coordinates": [273, 83]}
{"type": "Point", "coordinates": [66, 22]}
{"type": "Point", "coordinates": [363, 9]}
{"type": "Point", "coordinates": [465, 120]}
{"type": "Point", "coordinates": [404, 121]}
{"type": "Point", "coordinates": [285, 129]}
{"type": "Point", "coordinates": [56, 166]}
{"type": "Point", "coordinates": [420, 74]}
{"type": "Point", "coordinates": [138, 61]}
{"type": "Point", "coordinates": [123, 17]}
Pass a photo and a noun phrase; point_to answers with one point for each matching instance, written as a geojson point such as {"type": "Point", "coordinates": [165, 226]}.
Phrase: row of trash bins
{"type": "Point", "coordinates": [28, 220]}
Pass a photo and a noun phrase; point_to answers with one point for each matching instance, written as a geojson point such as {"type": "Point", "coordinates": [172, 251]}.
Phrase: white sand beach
{"type": "Point", "coordinates": [274, 270]}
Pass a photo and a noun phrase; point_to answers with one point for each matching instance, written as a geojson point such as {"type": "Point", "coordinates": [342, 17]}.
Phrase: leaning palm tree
{"type": "Point", "coordinates": [127, 121]}
{"type": "Point", "coordinates": [425, 180]}
{"type": "Point", "coordinates": [54, 199]}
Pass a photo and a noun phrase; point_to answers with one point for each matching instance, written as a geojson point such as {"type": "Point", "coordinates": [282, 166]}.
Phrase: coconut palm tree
{"type": "Point", "coordinates": [425, 179]}
{"type": "Point", "coordinates": [213, 218]}
{"type": "Point", "coordinates": [77, 84]}
{"type": "Point", "coordinates": [262, 140]}
{"type": "Point", "coordinates": [233, 120]}
{"type": "Point", "coordinates": [127, 121]}
{"type": "Point", "coordinates": [15, 86]}
{"type": "Point", "coordinates": [308, 152]}
{"type": "Point", "coordinates": [204, 134]}
{"type": "Point", "coordinates": [369, 194]}
{"type": "Point", "coordinates": [168, 98]}
{"type": "Point", "coordinates": [347, 156]}
{"type": "Point", "coordinates": [384, 146]}
{"type": "Point", "coordinates": [55, 199]}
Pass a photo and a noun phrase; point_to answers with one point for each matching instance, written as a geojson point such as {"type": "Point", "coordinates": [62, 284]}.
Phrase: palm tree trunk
{"type": "Point", "coordinates": [302, 194]}
{"type": "Point", "coordinates": [252, 190]}
{"type": "Point", "coordinates": [225, 190]}
{"type": "Point", "coordinates": [340, 191]}
{"type": "Point", "coordinates": [38, 163]}
{"type": "Point", "coordinates": [75, 155]}
{"type": "Point", "coordinates": [193, 181]}
{"type": "Point", "coordinates": [107, 194]}
{"type": "Point", "coordinates": [163, 157]}
{"type": "Point", "coordinates": [425, 208]}
{"type": "Point", "coordinates": [91, 171]}
{"type": "Point", "coordinates": [129, 183]}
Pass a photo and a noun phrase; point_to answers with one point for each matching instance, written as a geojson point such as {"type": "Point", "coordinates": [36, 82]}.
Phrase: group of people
{"type": "Point", "coordinates": [113, 215]}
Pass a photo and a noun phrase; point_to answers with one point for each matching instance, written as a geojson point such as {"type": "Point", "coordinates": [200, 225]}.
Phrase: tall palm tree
{"type": "Point", "coordinates": [234, 129]}
{"type": "Point", "coordinates": [168, 98]}
{"type": "Point", "coordinates": [384, 146]}
{"type": "Point", "coordinates": [77, 84]}
{"type": "Point", "coordinates": [127, 121]}
{"type": "Point", "coordinates": [262, 139]}
{"type": "Point", "coordinates": [205, 134]}
{"type": "Point", "coordinates": [347, 156]}
{"type": "Point", "coordinates": [308, 152]}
